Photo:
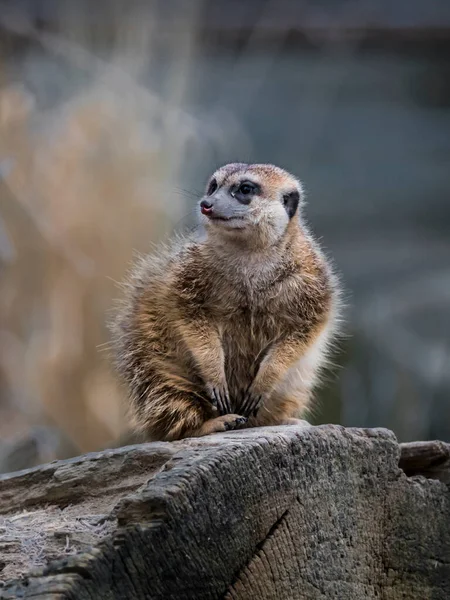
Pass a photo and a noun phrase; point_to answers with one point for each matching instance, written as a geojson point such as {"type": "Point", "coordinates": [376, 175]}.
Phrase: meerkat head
{"type": "Point", "coordinates": [251, 201]}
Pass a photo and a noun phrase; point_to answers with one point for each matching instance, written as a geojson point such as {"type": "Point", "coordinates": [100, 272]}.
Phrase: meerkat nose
{"type": "Point", "coordinates": [206, 207]}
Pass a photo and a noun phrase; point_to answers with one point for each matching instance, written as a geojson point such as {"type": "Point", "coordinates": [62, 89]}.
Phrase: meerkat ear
{"type": "Point", "coordinates": [291, 202]}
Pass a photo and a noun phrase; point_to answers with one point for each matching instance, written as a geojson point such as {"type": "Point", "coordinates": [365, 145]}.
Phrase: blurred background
{"type": "Point", "coordinates": [113, 115]}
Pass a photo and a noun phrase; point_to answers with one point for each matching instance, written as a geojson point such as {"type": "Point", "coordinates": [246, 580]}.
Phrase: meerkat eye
{"type": "Point", "coordinates": [244, 192]}
{"type": "Point", "coordinates": [212, 187]}
{"type": "Point", "coordinates": [246, 188]}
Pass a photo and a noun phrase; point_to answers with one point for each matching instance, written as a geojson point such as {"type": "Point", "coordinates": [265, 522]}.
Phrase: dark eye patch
{"type": "Point", "coordinates": [246, 188]}
{"type": "Point", "coordinates": [290, 202]}
{"type": "Point", "coordinates": [244, 191]}
{"type": "Point", "coordinates": [212, 187]}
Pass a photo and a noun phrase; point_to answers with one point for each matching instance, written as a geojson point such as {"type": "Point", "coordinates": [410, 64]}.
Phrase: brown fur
{"type": "Point", "coordinates": [237, 310]}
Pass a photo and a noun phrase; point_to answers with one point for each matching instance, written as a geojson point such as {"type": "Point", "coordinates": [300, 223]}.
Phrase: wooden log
{"type": "Point", "coordinates": [431, 459]}
{"type": "Point", "coordinates": [283, 512]}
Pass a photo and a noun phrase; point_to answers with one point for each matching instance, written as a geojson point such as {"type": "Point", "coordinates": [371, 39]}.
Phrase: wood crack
{"type": "Point", "coordinates": [258, 550]}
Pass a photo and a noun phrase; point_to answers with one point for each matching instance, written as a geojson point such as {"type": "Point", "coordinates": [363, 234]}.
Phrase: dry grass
{"type": "Point", "coordinates": [83, 184]}
{"type": "Point", "coordinates": [31, 539]}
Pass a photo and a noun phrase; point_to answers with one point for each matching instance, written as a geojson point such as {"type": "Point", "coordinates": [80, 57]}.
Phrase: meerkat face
{"type": "Point", "coordinates": [250, 200]}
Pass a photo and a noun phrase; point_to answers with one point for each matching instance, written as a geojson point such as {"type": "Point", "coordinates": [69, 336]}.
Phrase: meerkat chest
{"type": "Point", "coordinates": [244, 335]}
{"type": "Point", "coordinates": [252, 299]}
{"type": "Point", "coordinates": [244, 303]}
{"type": "Point", "coordinates": [249, 324]}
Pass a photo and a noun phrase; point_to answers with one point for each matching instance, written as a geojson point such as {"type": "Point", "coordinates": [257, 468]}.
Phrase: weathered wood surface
{"type": "Point", "coordinates": [431, 459]}
{"type": "Point", "coordinates": [314, 513]}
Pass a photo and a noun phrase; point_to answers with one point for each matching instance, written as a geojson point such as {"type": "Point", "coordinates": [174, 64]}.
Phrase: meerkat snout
{"type": "Point", "coordinates": [206, 207]}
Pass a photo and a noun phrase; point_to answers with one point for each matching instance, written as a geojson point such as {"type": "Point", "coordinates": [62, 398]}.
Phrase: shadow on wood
{"type": "Point", "coordinates": [320, 512]}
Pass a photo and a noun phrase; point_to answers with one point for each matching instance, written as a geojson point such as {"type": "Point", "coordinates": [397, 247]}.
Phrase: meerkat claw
{"type": "Point", "coordinates": [244, 405]}
{"type": "Point", "coordinates": [255, 405]}
{"type": "Point", "coordinates": [225, 401]}
{"type": "Point", "coordinates": [220, 400]}
{"type": "Point", "coordinates": [251, 404]}
{"type": "Point", "coordinates": [228, 403]}
{"type": "Point", "coordinates": [213, 399]}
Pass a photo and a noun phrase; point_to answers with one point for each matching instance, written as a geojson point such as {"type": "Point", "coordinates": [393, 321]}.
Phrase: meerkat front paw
{"type": "Point", "coordinates": [220, 398]}
{"type": "Point", "coordinates": [251, 403]}
{"type": "Point", "coordinates": [233, 422]}
{"type": "Point", "coordinates": [223, 423]}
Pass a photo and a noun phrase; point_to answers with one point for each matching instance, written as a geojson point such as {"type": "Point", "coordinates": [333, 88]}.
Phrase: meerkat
{"type": "Point", "coordinates": [229, 327]}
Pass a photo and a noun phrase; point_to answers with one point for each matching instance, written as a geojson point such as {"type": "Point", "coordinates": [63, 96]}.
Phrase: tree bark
{"type": "Point", "coordinates": [283, 512]}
